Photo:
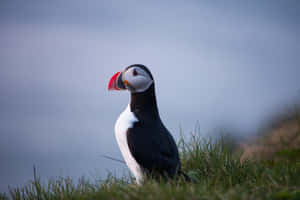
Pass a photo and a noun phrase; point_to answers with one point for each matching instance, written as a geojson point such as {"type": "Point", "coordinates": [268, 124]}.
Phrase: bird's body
{"type": "Point", "coordinates": [145, 143]}
{"type": "Point", "coordinates": [124, 122]}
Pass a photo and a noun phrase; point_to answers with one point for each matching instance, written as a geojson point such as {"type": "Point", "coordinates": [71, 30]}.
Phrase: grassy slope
{"type": "Point", "coordinates": [217, 173]}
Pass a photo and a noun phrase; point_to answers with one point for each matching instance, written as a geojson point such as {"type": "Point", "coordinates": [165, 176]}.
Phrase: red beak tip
{"type": "Point", "coordinates": [112, 85]}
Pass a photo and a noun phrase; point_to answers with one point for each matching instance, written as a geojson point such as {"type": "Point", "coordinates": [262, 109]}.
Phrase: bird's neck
{"type": "Point", "coordinates": [144, 103]}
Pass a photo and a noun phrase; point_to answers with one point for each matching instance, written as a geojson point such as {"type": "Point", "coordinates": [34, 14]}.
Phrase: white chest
{"type": "Point", "coordinates": [125, 121]}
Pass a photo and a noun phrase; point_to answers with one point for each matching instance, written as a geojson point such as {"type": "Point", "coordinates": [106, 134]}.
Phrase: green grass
{"type": "Point", "coordinates": [215, 170]}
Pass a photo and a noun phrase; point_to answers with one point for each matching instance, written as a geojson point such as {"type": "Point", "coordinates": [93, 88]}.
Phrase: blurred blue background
{"type": "Point", "coordinates": [228, 65]}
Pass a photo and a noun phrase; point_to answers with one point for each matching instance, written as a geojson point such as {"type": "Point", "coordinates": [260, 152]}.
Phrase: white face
{"type": "Point", "coordinates": [136, 79]}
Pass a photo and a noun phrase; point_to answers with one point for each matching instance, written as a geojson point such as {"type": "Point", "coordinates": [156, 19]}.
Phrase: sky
{"type": "Point", "coordinates": [224, 65]}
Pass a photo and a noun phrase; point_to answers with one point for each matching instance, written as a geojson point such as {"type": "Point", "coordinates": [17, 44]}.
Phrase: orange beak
{"type": "Point", "coordinates": [113, 83]}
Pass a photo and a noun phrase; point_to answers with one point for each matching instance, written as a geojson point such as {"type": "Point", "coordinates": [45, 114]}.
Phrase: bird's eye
{"type": "Point", "coordinates": [134, 72]}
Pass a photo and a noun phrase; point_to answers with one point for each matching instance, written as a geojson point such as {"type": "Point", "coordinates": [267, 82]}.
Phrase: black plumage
{"type": "Point", "coordinates": [150, 143]}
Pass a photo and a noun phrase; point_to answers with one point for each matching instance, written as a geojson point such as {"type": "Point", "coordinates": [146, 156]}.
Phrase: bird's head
{"type": "Point", "coordinates": [135, 78]}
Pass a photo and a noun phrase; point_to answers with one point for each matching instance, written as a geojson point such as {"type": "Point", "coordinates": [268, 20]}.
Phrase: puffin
{"type": "Point", "coordinates": [146, 145]}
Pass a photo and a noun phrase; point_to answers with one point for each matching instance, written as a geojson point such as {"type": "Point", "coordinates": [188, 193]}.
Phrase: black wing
{"type": "Point", "coordinates": [153, 148]}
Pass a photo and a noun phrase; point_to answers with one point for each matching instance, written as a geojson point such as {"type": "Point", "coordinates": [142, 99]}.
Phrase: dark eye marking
{"type": "Point", "coordinates": [134, 72]}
